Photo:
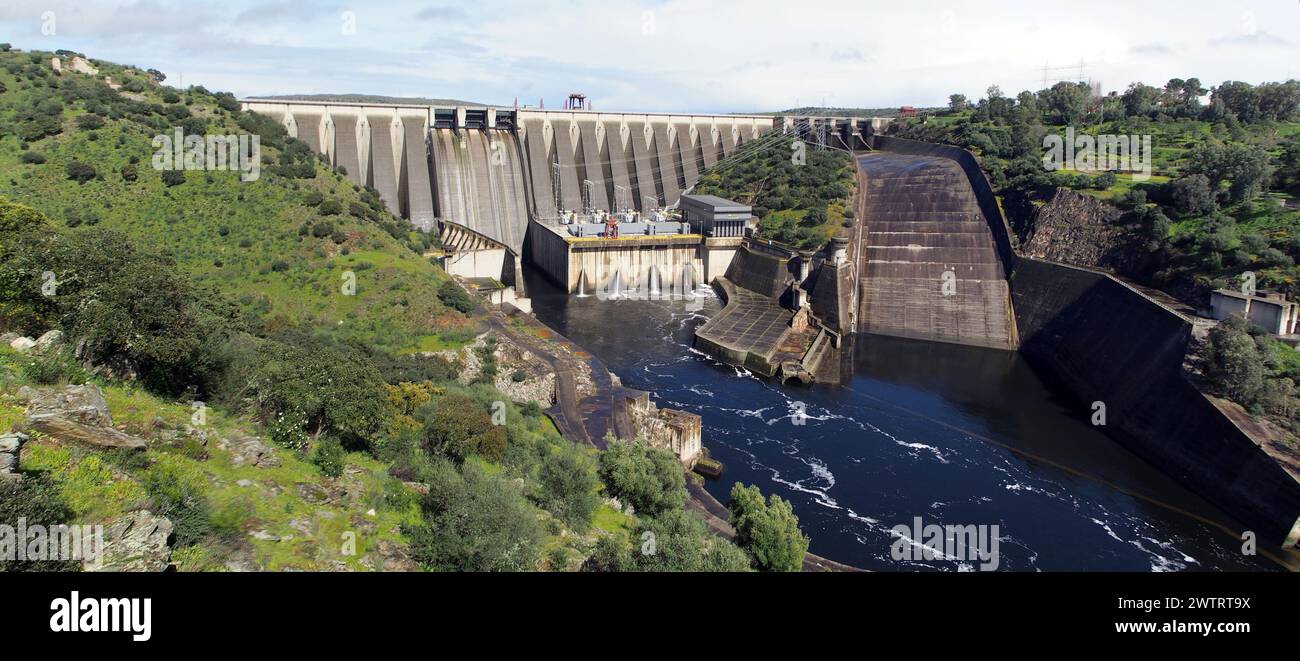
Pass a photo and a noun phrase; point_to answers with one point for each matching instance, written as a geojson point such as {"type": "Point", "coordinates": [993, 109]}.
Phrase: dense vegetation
{"type": "Point", "coordinates": [175, 287]}
{"type": "Point", "coordinates": [799, 202]}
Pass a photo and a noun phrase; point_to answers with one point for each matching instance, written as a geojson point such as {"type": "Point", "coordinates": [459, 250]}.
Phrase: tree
{"type": "Point", "coordinates": [957, 102]}
{"type": "Point", "coordinates": [769, 531]}
{"type": "Point", "coordinates": [473, 521]}
{"type": "Point", "coordinates": [1241, 99]}
{"type": "Point", "coordinates": [332, 388]}
{"type": "Point", "coordinates": [453, 296]}
{"type": "Point", "coordinates": [1139, 99]}
{"type": "Point", "coordinates": [456, 427]}
{"type": "Point", "coordinates": [1245, 167]}
{"type": "Point", "coordinates": [1287, 176]}
{"type": "Point", "coordinates": [1279, 102]}
{"type": "Point", "coordinates": [568, 482]}
{"type": "Point", "coordinates": [675, 541]}
{"type": "Point", "coordinates": [1192, 195]}
{"type": "Point", "coordinates": [1233, 363]}
{"type": "Point", "coordinates": [1067, 101]}
{"type": "Point", "coordinates": [649, 479]}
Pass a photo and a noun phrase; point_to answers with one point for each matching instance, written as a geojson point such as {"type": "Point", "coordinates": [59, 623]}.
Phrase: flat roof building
{"type": "Point", "coordinates": [1271, 311]}
{"type": "Point", "coordinates": [713, 216]}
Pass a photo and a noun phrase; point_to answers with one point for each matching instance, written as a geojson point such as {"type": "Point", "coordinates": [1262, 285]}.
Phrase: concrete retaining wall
{"type": "Point", "coordinates": [759, 272]}
{"type": "Point", "coordinates": [1104, 341]}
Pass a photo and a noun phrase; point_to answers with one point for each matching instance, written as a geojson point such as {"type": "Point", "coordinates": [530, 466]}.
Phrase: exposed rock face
{"type": "Point", "coordinates": [77, 415]}
{"type": "Point", "coordinates": [249, 451]}
{"type": "Point", "coordinates": [1073, 228]}
{"type": "Point", "coordinates": [50, 340]}
{"type": "Point", "coordinates": [138, 541]}
{"type": "Point", "coordinates": [10, 447]}
{"type": "Point", "coordinates": [538, 384]}
{"type": "Point", "coordinates": [64, 430]}
{"type": "Point", "coordinates": [22, 344]}
{"type": "Point", "coordinates": [388, 556]}
{"type": "Point", "coordinates": [84, 404]}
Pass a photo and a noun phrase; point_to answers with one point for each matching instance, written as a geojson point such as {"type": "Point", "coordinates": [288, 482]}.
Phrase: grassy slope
{"type": "Point", "coordinates": [98, 488]}
{"type": "Point", "coordinates": [395, 305]}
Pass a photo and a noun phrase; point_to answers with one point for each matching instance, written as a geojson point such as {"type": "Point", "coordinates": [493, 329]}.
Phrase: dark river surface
{"type": "Point", "coordinates": [954, 435]}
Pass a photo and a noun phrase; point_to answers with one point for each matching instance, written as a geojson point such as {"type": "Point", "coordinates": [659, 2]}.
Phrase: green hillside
{"type": "Point", "coordinates": [800, 204]}
{"type": "Point", "coordinates": [278, 246]}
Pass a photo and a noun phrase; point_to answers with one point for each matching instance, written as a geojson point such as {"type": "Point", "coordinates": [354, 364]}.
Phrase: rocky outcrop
{"type": "Point", "coordinates": [65, 431]}
{"type": "Point", "coordinates": [11, 445]}
{"type": "Point", "coordinates": [50, 340]}
{"type": "Point", "coordinates": [137, 541]}
{"type": "Point", "coordinates": [521, 374]}
{"type": "Point", "coordinates": [248, 450]}
{"type": "Point", "coordinates": [85, 404]}
{"type": "Point", "coordinates": [1081, 230]}
{"type": "Point", "coordinates": [22, 344]}
{"type": "Point", "coordinates": [75, 415]}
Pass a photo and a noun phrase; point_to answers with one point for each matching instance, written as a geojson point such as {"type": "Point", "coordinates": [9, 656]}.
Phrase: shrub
{"type": "Point", "coordinates": [173, 177]}
{"type": "Point", "coordinates": [456, 427]}
{"type": "Point", "coordinates": [453, 296]}
{"type": "Point", "coordinates": [568, 482]}
{"type": "Point", "coordinates": [54, 367]}
{"type": "Point", "coordinates": [35, 499]}
{"type": "Point", "coordinates": [330, 208]}
{"type": "Point", "coordinates": [473, 521]}
{"type": "Point", "coordinates": [329, 456]}
{"type": "Point", "coordinates": [90, 122]}
{"type": "Point", "coordinates": [179, 497]}
{"type": "Point", "coordinates": [81, 172]}
{"type": "Point", "coordinates": [33, 157]}
{"type": "Point", "coordinates": [130, 173]}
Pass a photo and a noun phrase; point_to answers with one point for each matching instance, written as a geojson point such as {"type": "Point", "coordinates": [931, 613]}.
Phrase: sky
{"type": "Point", "coordinates": [673, 55]}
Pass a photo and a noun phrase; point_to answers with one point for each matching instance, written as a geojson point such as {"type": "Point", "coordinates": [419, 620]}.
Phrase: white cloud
{"type": "Point", "coordinates": [690, 55]}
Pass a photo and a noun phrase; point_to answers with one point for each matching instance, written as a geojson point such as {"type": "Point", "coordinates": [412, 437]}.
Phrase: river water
{"type": "Point", "coordinates": [948, 434]}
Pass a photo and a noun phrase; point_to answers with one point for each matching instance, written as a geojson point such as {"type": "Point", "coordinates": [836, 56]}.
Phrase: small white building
{"type": "Point", "coordinates": [1272, 312]}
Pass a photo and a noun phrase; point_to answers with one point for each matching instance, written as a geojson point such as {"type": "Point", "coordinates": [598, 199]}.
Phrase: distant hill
{"type": "Point", "coordinates": [373, 98]}
{"type": "Point", "coordinates": [816, 111]}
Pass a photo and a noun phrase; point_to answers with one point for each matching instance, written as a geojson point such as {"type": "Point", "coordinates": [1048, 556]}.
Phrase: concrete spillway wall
{"type": "Point", "coordinates": [1105, 342]}
{"type": "Point", "coordinates": [928, 263]}
{"type": "Point", "coordinates": [979, 187]}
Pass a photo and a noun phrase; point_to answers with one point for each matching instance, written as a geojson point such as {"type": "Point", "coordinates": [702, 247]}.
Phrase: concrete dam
{"type": "Point", "coordinates": [491, 169]}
